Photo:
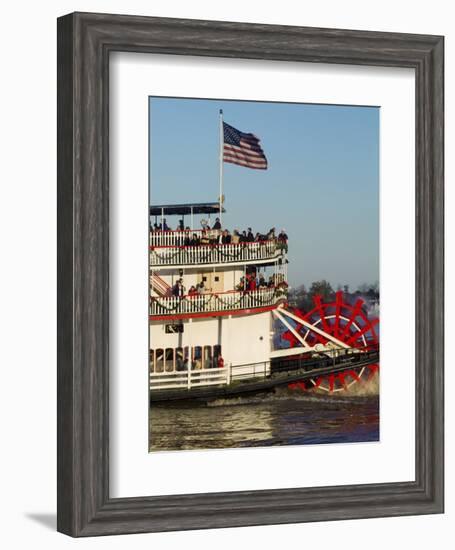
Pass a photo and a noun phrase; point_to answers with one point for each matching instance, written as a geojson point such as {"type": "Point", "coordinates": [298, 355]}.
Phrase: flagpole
{"type": "Point", "coordinates": [221, 165]}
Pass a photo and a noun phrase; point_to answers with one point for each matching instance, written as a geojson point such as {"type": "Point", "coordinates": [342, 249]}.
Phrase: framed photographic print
{"type": "Point", "coordinates": [250, 274]}
{"type": "Point", "coordinates": [242, 353]}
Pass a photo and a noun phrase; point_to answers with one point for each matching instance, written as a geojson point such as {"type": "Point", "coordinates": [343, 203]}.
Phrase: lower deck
{"type": "Point", "coordinates": [200, 344]}
{"type": "Point", "coordinates": [250, 378]}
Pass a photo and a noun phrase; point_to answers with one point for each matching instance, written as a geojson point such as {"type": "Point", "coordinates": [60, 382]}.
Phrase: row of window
{"type": "Point", "coordinates": [176, 359]}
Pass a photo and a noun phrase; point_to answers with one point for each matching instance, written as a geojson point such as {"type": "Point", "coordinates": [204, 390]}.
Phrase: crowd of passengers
{"type": "Point", "coordinates": [218, 235]}
{"type": "Point", "coordinates": [184, 363]}
{"type": "Point", "coordinates": [247, 283]}
{"type": "Point", "coordinates": [196, 364]}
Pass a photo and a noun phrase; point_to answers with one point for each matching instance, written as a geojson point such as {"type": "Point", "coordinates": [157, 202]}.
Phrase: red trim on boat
{"type": "Point", "coordinates": [248, 311]}
{"type": "Point", "coordinates": [195, 246]}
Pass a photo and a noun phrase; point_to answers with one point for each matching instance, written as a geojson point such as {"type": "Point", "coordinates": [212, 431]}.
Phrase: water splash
{"type": "Point", "coordinates": [370, 387]}
{"type": "Point", "coordinates": [362, 389]}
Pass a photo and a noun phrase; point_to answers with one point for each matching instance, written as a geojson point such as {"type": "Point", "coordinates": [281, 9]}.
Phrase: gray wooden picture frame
{"type": "Point", "coordinates": [85, 41]}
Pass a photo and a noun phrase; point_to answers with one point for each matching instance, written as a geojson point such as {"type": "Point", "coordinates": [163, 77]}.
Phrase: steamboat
{"type": "Point", "coordinates": [221, 325]}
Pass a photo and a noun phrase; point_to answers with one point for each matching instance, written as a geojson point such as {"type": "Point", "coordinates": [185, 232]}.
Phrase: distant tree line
{"type": "Point", "coordinates": [302, 297]}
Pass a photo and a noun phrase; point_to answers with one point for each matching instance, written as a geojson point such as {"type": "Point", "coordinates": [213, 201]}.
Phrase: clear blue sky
{"type": "Point", "coordinates": [322, 184]}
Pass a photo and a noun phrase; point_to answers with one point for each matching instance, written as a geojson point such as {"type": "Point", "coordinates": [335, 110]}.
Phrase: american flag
{"type": "Point", "coordinates": [242, 149]}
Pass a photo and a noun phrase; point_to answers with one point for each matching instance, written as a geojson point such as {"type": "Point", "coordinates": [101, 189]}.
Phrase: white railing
{"type": "Point", "coordinates": [215, 253]}
{"type": "Point", "coordinates": [189, 379]}
{"type": "Point", "coordinates": [214, 302]}
{"type": "Point", "coordinates": [176, 238]}
{"type": "Point", "coordinates": [196, 378]}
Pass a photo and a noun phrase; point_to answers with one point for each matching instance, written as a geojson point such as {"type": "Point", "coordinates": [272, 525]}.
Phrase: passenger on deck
{"type": "Point", "coordinates": [283, 239]}
{"type": "Point", "coordinates": [192, 291]}
{"type": "Point", "coordinates": [205, 237]}
{"type": "Point", "coordinates": [243, 237]}
{"type": "Point", "coordinates": [271, 234]}
{"type": "Point", "coordinates": [181, 226]}
{"type": "Point", "coordinates": [195, 240]}
{"type": "Point", "coordinates": [250, 236]}
{"type": "Point", "coordinates": [252, 283]}
{"type": "Point", "coordinates": [235, 237]}
{"type": "Point", "coordinates": [217, 224]}
{"type": "Point", "coordinates": [262, 284]}
{"type": "Point", "coordinates": [175, 289]}
{"type": "Point", "coordinates": [165, 225]}
{"type": "Point", "coordinates": [241, 285]}
{"type": "Point", "coordinates": [201, 288]}
{"type": "Point", "coordinates": [204, 224]}
{"type": "Point", "coordinates": [214, 236]}
{"type": "Point", "coordinates": [282, 236]}
{"type": "Point", "coordinates": [179, 363]}
{"type": "Point", "coordinates": [181, 288]}
{"type": "Point", "coordinates": [226, 237]}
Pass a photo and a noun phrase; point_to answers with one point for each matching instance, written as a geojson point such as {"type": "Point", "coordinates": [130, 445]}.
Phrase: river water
{"type": "Point", "coordinates": [284, 417]}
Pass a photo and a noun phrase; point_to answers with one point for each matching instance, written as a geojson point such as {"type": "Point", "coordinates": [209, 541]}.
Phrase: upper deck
{"type": "Point", "coordinates": [179, 249]}
{"type": "Point", "coordinates": [216, 304]}
{"type": "Point", "coordinates": [210, 246]}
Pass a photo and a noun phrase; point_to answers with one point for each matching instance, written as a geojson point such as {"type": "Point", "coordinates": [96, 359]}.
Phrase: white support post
{"type": "Point", "coordinates": [221, 166]}
{"type": "Point", "coordinates": [190, 353]}
{"type": "Point", "coordinates": [291, 328]}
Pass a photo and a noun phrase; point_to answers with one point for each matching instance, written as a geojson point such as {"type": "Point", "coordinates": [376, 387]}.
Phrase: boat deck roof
{"type": "Point", "coordinates": [185, 209]}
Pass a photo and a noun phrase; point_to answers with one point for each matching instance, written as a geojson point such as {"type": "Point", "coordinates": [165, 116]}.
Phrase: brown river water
{"type": "Point", "coordinates": [283, 417]}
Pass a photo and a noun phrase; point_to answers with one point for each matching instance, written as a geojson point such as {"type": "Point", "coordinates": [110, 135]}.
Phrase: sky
{"type": "Point", "coordinates": [321, 185]}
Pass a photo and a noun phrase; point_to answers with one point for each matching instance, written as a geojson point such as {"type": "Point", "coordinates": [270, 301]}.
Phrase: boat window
{"type": "Point", "coordinates": [159, 360]}
{"type": "Point", "coordinates": [197, 357]}
{"type": "Point", "coordinates": [170, 359]}
{"type": "Point", "coordinates": [186, 357]}
{"type": "Point", "coordinates": [152, 361]}
{"type": "Point", "coordinates": [207, 363]}
{"type": "Point", "coordinates": [216, 351]}
{"type": "Point", "coordinates": [179, 358]}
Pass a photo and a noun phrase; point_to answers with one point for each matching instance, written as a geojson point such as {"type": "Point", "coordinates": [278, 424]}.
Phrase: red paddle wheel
{"type": "Point", "coordinates": [344, 320]}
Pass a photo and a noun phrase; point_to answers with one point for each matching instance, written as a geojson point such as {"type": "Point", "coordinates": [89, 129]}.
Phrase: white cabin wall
{"type": "Point", "coordinates": [231, 276]}
{"type": "Point", "coordinates": [198, 332]}
{"type": "Point", "coordinates": [240, 336]}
